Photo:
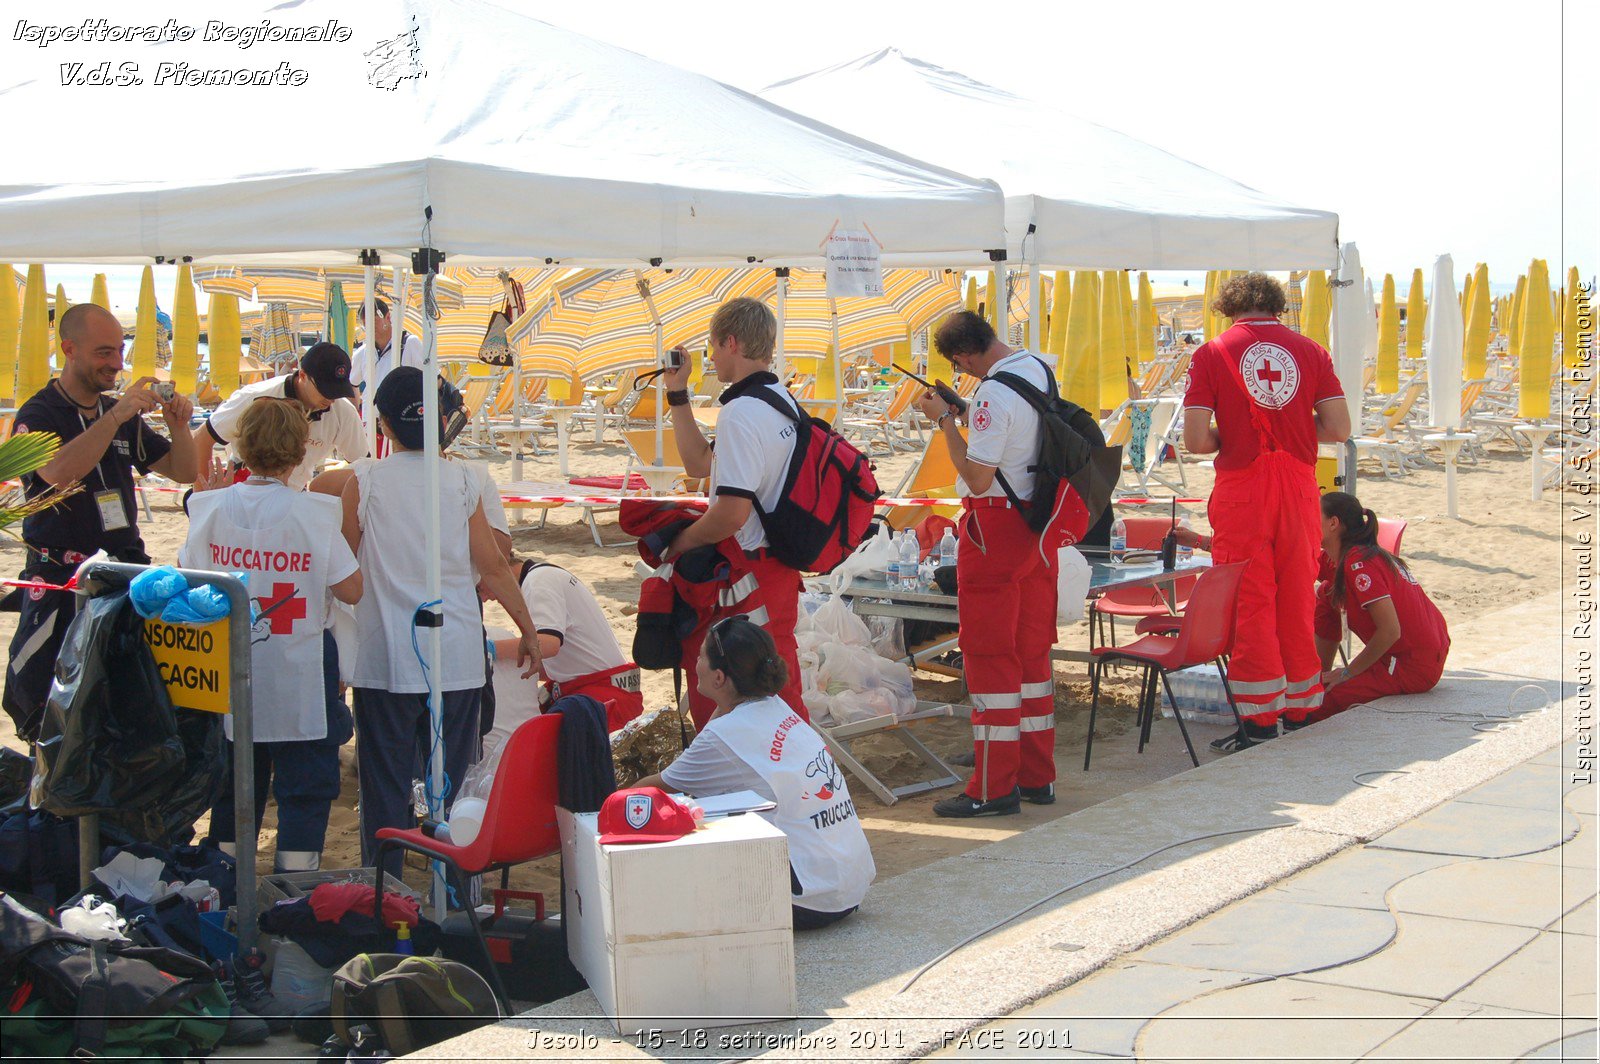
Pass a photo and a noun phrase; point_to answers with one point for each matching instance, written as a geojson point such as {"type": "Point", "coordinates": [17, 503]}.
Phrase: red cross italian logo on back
{"type": "Point", "coordinates": [1270, 375]}
{"type": "Point", "coordinates": [284, 607]}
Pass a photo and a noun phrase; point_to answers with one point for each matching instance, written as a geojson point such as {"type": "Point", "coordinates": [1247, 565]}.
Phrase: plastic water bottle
{"type": "Point", "coordinates": [1185, 551]}
{"type": "Point", "coordinates": [910, 558]}
{"type": "Point", "coordinates": [947, 547]}
{"type": "Point", "coordinates": [1119, 540]}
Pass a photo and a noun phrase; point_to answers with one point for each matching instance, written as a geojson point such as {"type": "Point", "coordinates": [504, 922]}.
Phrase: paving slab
{"type": "Point", "coordinates": [1585, 1046]}
{"type": "Point", "coordinates": [1459, 1030]}
{"type": "Point", "coordinates": [1468, 830]}
{"type": "Point", "coordinates": [1327, 1022]}
{"type": "Point", "coordinates": [1276, 938]}
{"type": "Point", "coordinates": [1553, 974]}
{"type": "Point", "coordinates": [1527, 786]}
{"type": "Point", "coordinates": [1359, 878]}
{"type": "Point", "coordinates": [1577, 852]}
{"type": "Point", "coordinates": [1430, 957]}
{"type": "Point", "coordinates": [1106, 1012]}
{"type": "Point", "coordinates": [1497, 892]}
{"type": "Point", "coordinates": [1580, 921]}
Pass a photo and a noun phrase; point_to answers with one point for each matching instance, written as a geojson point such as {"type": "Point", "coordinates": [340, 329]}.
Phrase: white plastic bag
{"type": "Point", "coordinates": [888, 636]}
{"type": "Point", "coordinates": [838, 624]}
{"type": "Point", "coordinates": [870, 560]}
{"type": "Point", "coordinates": [848, 668]}
{"type": "Point", "coordinates": [466, 814]}
{"type": "Point", "coordinates": [1072, 585]}
{"type": "Point", "coordinates": [894, 678]}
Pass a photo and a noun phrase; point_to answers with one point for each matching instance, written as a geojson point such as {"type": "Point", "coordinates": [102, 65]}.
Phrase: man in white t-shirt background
{"type": "Point", "coordinates": [1006, 580]}
{"type": "Point", "coordinates": [385, 360]}
{"type": "Point", "coordinates": [323, 386]}
{"type": "Point", "coordinates": [754, 445]}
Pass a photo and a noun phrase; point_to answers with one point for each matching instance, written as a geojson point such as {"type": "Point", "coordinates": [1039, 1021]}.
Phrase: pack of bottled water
{"type": "Point", "coordinates": [1200, 694]}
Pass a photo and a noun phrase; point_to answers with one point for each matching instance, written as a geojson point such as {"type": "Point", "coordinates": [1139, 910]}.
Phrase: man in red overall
{"type": "Point", "coordinates": [1005, 575]}
{"type": "Point", "coordinates": [1275, 396]}
{"type": "Point", "coordinates": [754, 446]}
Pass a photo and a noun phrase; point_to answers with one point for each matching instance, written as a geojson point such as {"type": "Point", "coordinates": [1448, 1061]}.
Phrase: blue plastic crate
{"type": "Point", "coordinates": [218, 941]}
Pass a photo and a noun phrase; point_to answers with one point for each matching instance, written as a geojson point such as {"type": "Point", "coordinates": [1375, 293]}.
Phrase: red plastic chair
{"type": "Point", "coordinates": [1390, 531]}
{"type": "Point", "coordinates": [1205, 634]}
{"type": "Point", "coordinates": [1144, 533]}
{"type": "Point", "coordinates": [519, 825]}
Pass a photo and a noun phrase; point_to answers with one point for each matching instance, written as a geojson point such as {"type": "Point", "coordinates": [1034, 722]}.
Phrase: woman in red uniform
{"type": "Point", "coordinates": [1403, 633]}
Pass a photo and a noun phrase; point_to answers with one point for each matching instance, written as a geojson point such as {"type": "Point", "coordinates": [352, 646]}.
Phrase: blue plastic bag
{"type": "Point", "coordinates": [200, 605]}
{"type": "Point", "coordinates": [153, 588]}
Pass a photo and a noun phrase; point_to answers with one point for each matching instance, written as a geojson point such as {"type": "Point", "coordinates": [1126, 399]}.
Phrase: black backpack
{"type": "Point", "coordinates": [829, 494]}
{"type": "Point", "coordinates": [1072, 453]}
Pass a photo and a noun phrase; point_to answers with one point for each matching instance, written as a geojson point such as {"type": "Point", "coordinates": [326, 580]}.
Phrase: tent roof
{"type": "Point", "coordinates": [1097, 199]}
{"type": "Point", "coordinates": [527, 141]}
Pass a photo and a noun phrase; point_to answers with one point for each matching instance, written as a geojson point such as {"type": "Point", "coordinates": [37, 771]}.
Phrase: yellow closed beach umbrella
{"type": "Point", "coordinates": [972, 293]}
{"type": "Point", "coordinates": [1571, 338]}
{"type": "Point", "coordinates": [144, 328]}
{"type": "Point", "coordinates": [1416, 315]}
{"type": "Point", "coordinates": [1475, 345]}
{"type": "Point", "coordinates": [1466, 296]}
{"type": "Point", "coordinates": [99, 292]}
{"type": "Point", "coordinates": [1514, 329]}
{"type": "Point", "coordinates": [10, 323]}
{"type": "Point", "coordinates": [1207, 317]}
{"type": "Point", "coordinates": [1316, 308]}
{"type": "Point", "coordinates": [991, 304]}
{"type": "Point", "coordinates": [58, 308]}
{"type": "Point", "coordinates": [1079, 368]}
{"type": "Point", "coordinates": [1113, 381]}
{"type": "Point", "coordinates": [185, 335]}
{"type": "Point", "coordinates": [1147, 322]}
{"type": "Point", "coordinates": [1060, 314]}
{"type": "Point", "coordinates": [1538, 336]}
{"type": "Point", "coordinates": [33, 348]}
{"type": "Point", "coordinates": [225, 342]}
{"type": "Point", "coordinates": [1388, 338]}
{"type": "Point", "coordinates": [1130, 320]}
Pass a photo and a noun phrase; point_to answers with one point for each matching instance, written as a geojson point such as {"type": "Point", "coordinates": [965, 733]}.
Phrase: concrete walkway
{"type": "Point", "coordinates": [1127, 889]}
{"type": "Point", "coordinates": [1465, 934]}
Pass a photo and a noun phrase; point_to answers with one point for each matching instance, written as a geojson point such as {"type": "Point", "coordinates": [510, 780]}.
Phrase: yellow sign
{"type": "Point", "coordinates": [193, 662]}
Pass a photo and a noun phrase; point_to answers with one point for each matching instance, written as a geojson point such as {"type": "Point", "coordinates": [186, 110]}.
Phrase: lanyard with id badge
{"type": "Point", "coordinates": [108, 500]}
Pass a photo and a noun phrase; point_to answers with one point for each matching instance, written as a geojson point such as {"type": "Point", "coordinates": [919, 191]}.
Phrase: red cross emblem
{"type": "Point", "coordinates": [284, 609]}
{"type": "Point", "coordinates": [1268, 375]}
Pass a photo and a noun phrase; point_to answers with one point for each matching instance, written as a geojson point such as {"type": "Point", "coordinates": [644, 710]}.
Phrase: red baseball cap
{"type": "Point", "coordinates": [643, 814]}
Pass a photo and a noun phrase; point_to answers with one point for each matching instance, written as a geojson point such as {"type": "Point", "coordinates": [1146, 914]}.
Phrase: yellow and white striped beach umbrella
{"type": "Point", "coordinates": [224, 342]}
{"type": "Point", "coordinates": [1480, 313]}
{"type": "Point", "coordinates": [1078, 374]}
{"type": "Point", "coordinates": [1416, 315]}
{"type": "Point", "coordinates": [1538, 344]}
{"type": "Point", "coordinates": [144, 329]}
{"type": "Point", "coordinates": [912, 300]}
{"type": "Point", "coordinates": [10, 326]}
{"type": "Point", "coordinates": [225, 280]}
{"type": "Point", "coordinates": [33, 348]}
{"type": "Point", "coordinates": [185, 334]}
{"type": "Point", "coordinates": [1148, 323]}
{"type": "Point", "coordinates": [1316, 309]}
{"type": "Point", "coordinates": [1571, 335]}
{"type": "Point", "coordinates": [1388, 379]}
{"type": "Point", "coordinates": [275, 341]}
{"type": "Point", "coordinates": [467, 296]}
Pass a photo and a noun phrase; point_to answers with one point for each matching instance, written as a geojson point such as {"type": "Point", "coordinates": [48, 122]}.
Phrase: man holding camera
{"type": "Point", "coordinates": [321, 385]}
{"type": "Point", "coordinates": [102, 441]}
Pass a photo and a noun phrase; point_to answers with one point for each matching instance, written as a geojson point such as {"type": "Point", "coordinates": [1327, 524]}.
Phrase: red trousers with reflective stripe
{"type": "Point", "coordinates": [769, 591]}
{"type": "Point", "coordinates": [1407, 673]}
{"type": "Point", "coordinates": [1269, 516]}
{"type": "Point", "coordinates": [1007, 602]}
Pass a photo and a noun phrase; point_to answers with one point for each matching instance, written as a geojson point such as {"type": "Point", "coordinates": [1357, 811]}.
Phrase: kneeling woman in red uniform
{"type": "Point", "coordinates": [1403, 633]}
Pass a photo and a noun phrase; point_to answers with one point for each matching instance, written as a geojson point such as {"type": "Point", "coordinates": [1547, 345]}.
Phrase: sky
{"type": "Point", "coordinates": [1428, 126]}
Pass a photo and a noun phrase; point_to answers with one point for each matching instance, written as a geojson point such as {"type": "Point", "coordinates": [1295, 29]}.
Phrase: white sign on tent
{"type": "Point", "coordinates": [854, 267]}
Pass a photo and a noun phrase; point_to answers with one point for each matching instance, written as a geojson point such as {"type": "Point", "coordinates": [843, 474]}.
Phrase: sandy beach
{"type": "Point", "coordinates": [1505, 550]}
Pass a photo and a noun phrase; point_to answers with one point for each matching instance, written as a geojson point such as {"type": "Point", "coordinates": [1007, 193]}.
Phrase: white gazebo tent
{"type": "Point", "coordinates": [1078, 195]}
{"type": "Point", "coordinates": [453, 127]}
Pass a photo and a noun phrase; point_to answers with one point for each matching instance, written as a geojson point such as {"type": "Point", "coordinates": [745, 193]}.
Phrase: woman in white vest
{"type": "Point", "coordinates": [755, 742]}
{"type": "Point", "coordinates": [290, 544]}
{"type": "Point", "coordinates": [383, 515]}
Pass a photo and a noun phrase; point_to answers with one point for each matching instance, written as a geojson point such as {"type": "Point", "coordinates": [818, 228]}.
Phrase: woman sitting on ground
{"type": "Point", "coordinates": [1404, 637]}
{"type": "Point", "coordinates": [755, 742]}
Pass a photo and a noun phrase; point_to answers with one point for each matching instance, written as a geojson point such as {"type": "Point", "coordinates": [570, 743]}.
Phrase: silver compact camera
{"type": "Point", "coordinates": [164, 390]}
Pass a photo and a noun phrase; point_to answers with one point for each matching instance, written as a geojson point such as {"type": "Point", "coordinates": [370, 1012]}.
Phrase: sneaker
{"type": "Point", "coordinates": [1045, 795]}
{"type": "Point", "coordinates": [1250, 735]}
{"type": "Point", "coordinates": [962, 806]}
{"type": "Point", "coordinates": [244, 1027]}
{"type": "Point", "coordinates": [1296, 725]}
{"type": "Point", "coordinates": [250, 980]}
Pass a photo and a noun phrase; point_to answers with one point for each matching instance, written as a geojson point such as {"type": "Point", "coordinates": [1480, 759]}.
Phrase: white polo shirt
{"type": "Point", "coordinates": [1002, 429]}
{"type": "Point", "coordinates": [334, 431]}
{"type": "Point", "coordinates": [754, 446]}
{"type": "Point", "coordinates": [562, 606]}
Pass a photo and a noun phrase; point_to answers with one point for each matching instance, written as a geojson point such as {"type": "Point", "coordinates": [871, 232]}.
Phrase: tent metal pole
{"type": "Point", "coordinates": [780, 307]}
{"type": "Point", "coordinates": [433, 541]}
{"type": "Point", "coordinates": [1035, 310]}
{"type": "Point", "coordinates": [369, 357]}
